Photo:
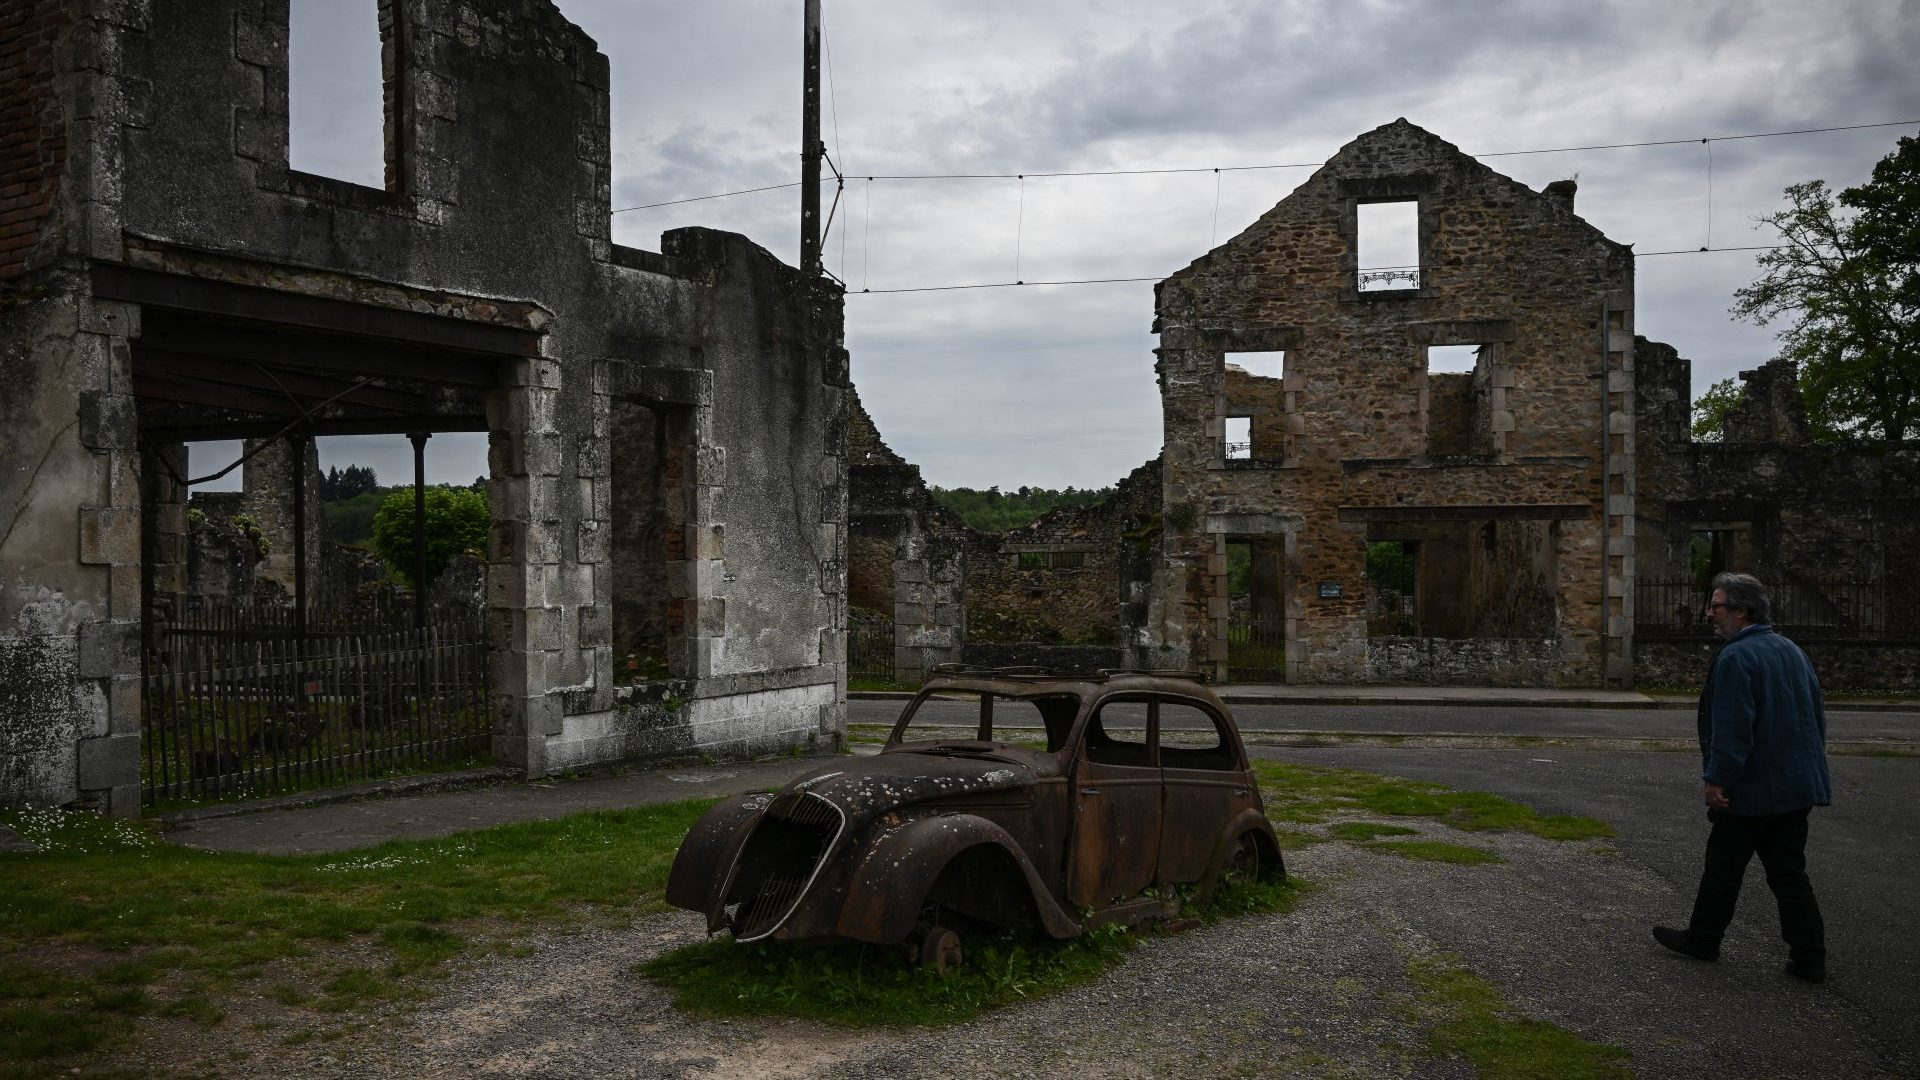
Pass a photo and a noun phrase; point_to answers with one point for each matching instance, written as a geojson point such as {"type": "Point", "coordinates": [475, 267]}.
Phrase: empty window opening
{"type": "Point", "coordinates": [1391, 569]}
{"type": "Point", "coordinates": [1719, 549]}
{"type": "Point", "coordinates": [1389, 245]}
{"type": "Point", "coordinates": [1453, 359]}
{"type": "Point", "coordinates": [648, 451]}
{"type": "Point", "coordinates": [1260, 365]}
{"type": "Point", "coordinates": [1256, 610]}
{"type": "Point", "coordinates": [336, 120]}
{"type": "Point", "coordinates": [1239, 438]}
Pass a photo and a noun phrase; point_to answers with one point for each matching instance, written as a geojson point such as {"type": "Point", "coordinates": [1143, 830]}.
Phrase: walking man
{"type": "Point", "coordinates": [1763, 735]}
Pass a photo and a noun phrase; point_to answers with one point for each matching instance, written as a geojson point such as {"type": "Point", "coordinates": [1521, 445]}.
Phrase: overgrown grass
{"type": "Point", "coordinates": [144, 927]}
{"type": "Point", "coordinates": [1437, 851]}
{"type": "Point", "coordinates": [1314, 795]}
{"type": "Point", "coordinates": [1465, 1017]}
{"type": "Point", "coordinates": [869, 985]}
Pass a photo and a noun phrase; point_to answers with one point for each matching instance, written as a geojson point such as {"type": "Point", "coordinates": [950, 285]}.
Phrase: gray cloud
{"type": "Point", "coordinates": [1054, 386]}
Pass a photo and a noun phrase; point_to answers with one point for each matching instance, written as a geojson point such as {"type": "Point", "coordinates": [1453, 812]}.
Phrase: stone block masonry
{"type": "Point", "coordinates": [1358, 442]}
{"type": "Point", "coordinates": [168, 279]}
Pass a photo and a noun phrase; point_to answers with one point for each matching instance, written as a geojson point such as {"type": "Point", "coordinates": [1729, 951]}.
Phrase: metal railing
{"type": "Point", "coordinates": [1842, 609]}
{"type": "Point", "coordinates": [243, 700]}
{"type": "Point", "coordinates": [1256, 648]}
{"type": "Point", "coordinates": [869, 647]}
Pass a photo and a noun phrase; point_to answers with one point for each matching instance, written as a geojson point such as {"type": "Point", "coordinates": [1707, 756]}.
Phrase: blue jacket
{"type": "Point", "coordinates": [1763, 729]}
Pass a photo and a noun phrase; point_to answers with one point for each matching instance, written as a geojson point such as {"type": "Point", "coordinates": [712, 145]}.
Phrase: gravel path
{"type": "Point", "coordinates": [1560, 928]}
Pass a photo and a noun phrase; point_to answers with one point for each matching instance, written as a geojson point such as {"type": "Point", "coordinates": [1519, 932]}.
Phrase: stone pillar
{"type": "Point", "coordinates": [107, 653]}
{"type": "Point", "coordinates": [267, 478]}
{"type": "Point", "coordinates": [163, 470]}
{"type": "Point", "coordinates": [1618, 562]}
{"type": "Point", "coordinates": [929, 604]}
{"type": "Point", "coordinates": [525, 634]}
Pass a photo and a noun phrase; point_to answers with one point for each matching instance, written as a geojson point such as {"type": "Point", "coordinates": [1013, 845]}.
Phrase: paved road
{"type": "Point", "coordinates": [1466, 720]}
{"type": "Point", "coordinates": [1860, 856]}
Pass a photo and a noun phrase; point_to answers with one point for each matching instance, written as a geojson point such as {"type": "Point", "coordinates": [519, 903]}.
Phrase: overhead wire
{"type": "Point", "coordinates": [1304, 164]}
{"type": "Point", "coordinates": [1290, 273]}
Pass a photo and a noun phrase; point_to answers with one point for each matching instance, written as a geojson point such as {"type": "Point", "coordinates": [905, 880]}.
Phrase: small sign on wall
{"type": "Point", "coordinates": [1331, 590]}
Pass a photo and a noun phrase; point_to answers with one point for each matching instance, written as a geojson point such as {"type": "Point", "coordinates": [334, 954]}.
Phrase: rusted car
{"type": "Point", "coordinates": [1005, 798]}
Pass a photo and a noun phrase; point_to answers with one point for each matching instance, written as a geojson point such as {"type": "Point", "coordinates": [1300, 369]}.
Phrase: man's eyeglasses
{"type": "Point", "coordinates": [1711, 608]}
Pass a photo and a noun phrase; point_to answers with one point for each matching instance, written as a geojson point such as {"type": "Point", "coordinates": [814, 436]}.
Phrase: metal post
{"type": "Point", "coordinates": [419, 439]}
{"type": "Point", "coordinates": [810, 146]}
{"type": "Point", "coordinates": [301, 445]}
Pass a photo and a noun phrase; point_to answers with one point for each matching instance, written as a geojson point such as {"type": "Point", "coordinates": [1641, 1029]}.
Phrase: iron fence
{"type": "Point", "coordinates": [869, 647]}
{"type": "Point", "coordinates": [1256, 648]}
{"type": "Point", "coordinates": [245, 700]}
{"type": "Point", "coordinates": [1842, 609]}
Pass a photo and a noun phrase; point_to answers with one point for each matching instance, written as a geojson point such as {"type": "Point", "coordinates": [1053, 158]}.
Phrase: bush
{"type": "Point", "coordinates": [457, 520]}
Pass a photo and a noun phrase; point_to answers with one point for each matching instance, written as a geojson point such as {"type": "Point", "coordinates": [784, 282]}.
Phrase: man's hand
{"type": "Point", "coordinates": [1716, 797]}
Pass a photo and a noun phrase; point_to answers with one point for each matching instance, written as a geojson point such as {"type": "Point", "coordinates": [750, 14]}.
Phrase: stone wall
{"type": "Point", "coordinates": [1820, 517]}
{"type": "Point", "coordinates": [477, 290]}
{"type": "Point", "coordinates": [1076, 576]}
{"type": "Point", "coordinates": [1373, 447]}
{"type": "Point", "coordinates": [1082, 571]}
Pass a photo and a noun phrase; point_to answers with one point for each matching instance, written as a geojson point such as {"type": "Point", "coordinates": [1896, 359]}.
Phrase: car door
{"type": "Point", "coordinates": [1206, 785]}
{"type": "Point", "coordinates": [1116, 794]}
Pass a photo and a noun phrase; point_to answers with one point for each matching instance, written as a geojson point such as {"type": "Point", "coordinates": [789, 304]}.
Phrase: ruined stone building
{"type": "Point", "coordinates": [1482, 412]}
{"type": "Point", "coordinates": [1068, 590]}
{"type": "Point", "coordinates": [1833, 529]}
{"type": "Point", "coordinates": [1305, 418]}
{"type": "Point", "coordinates": [666, 428]}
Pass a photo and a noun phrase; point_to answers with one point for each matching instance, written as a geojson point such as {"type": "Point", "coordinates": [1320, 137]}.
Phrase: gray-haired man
{"type": "Point", "coordinates": [1763, 733]}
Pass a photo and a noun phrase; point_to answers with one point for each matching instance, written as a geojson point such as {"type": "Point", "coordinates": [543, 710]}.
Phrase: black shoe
{"type": "Point", "coordinates": [1682, 942]}
{"type": "Point", "coordinates": [1808, 972]}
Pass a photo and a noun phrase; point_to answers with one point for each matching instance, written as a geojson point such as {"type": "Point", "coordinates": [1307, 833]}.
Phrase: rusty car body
{"type": "Point", "coordinates": [1009, 798]}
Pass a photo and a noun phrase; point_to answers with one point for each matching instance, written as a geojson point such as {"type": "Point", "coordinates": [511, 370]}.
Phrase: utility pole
{"type": "Point", "coordinates": [811, 149]}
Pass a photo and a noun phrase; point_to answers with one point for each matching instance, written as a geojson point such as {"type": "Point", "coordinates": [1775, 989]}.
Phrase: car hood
{"type": "Point", "coordinates": [866, 786]}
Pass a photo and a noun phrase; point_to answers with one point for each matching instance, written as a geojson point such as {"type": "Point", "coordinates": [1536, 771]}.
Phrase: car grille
{"type": "Point", "coordinates": [779, 861]}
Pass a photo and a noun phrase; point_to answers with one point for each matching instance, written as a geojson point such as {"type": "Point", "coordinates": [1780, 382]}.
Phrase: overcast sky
{"type": "Point", "coordinates": [1053, 385]}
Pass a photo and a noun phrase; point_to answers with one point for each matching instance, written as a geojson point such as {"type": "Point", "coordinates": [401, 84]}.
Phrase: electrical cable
{"type": "Point", "coordinates": [1292, 273]}
{"type": "Point", "coordinates": [1305, 165]}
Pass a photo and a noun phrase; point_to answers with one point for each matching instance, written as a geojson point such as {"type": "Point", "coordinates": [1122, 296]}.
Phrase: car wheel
{"type": "Point", "coordinates": [940, 950]}
{"type": "Point", "coordinates": [1243, 862]}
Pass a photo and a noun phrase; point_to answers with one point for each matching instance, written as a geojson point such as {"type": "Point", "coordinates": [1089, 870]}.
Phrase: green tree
{"type": "Point", "coordinates": [339, 484]}
{"type": "Point", "coordinates": [457, 520]}
{"type": "Point", "coordinates": [1710, 412]}
{"type": "Point", "coordinates": [1847, 277]}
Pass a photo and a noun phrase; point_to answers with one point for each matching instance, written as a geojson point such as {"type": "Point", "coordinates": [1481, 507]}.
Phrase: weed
{"type": "Point", "coordinates": [1362, 831]}
{"type": "Point", "coordinates": [1466, 1017]}
{"type": "Point", "coordinates": [1437, 851]}
{"type": "Point", "coordinates": [1313, 795]}
{"type": "Point", "coordinates": [870, 985]}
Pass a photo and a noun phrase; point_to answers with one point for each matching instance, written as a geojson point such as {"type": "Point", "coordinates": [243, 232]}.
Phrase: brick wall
{"type": "Point", "coordinates": [33, 138]}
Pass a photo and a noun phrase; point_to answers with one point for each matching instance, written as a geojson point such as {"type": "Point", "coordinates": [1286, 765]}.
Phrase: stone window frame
{"type": "Point", "coordinates": [1493, 336]}
{"type": "Point", "coordinates": [1259, 339]}
{"type": "Point", "coordinates": [1406, 187]}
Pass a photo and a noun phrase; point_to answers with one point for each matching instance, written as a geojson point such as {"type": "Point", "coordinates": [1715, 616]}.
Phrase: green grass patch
{"type": "Point", "coordinates": [1315, 795]}
{"type": "Point", "coordinates": [870, 985]}
{"type": "Point", "coordinates": [1437, 851]}
{"type": "Point", "coordinates": [1363, 831]}
{"type": "Point", "coordinates": [169, 927]}
{"type": "Point", "coordinates": [1466, 1017]}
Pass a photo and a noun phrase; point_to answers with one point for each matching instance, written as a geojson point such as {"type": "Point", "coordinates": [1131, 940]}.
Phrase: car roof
{"type": "Point", "coordinates": [1026, 682]}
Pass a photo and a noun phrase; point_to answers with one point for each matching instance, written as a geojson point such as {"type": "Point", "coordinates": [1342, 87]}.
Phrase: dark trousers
{"type": "Point", "coordinates": [1781, 842]}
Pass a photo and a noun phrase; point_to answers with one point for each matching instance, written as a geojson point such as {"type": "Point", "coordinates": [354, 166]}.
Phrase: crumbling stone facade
{"type": "Point", "coordinates": [1069, 590]}
{"type": "Point", "coordinates": [168, 278]}
{"type": "Point", "coordinates": [1515, 482]}
{"type": "Point", "coordinates": [1835, 526]}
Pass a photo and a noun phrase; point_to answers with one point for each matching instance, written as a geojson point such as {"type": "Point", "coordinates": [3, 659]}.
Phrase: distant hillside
{"type": "Point", "coordinates": [994, 510]}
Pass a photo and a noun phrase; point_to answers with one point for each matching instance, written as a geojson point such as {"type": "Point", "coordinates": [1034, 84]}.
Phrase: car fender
{"type": "Point", "coordinates": [1245, 821]}
{"type": "Point", "coordinates": [884, 896]}
{"type": "Point", "coordinates": [701, 866]}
